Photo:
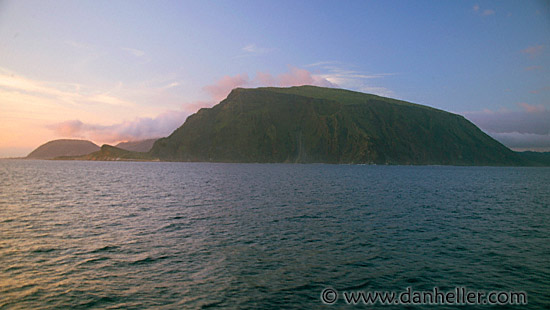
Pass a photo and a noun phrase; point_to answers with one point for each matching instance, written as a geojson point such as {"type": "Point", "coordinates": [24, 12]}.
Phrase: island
{"type": "Point", "coordinates": [310, 124]}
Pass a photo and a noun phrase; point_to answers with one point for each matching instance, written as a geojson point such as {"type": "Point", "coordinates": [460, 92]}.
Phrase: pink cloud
{"type": "Point", "coordinates": [165, 123]}
{"type": "Point", "coordinates": [533, 51]}
{"type": "Point", "coordinates": [532, 68]}
{"type": "Point", "coordinates": [532, 108]}
{"type": "Point", "coordinates": [536, 91]}
{"type": "Point", "coordinates": [197, 105]}
{"type": "Point", "coordinates": [69, 128]}
{"type": "Point", "coordinates": [220, 89]}
{"type": "Point", "coordinates": [294, 77]}
{"type": "Point", "coordinates": [266, 79]}
{"type": "Point", "coordinates": [138, 129]}
{"type": "Point", "coordinates": [297, 77]}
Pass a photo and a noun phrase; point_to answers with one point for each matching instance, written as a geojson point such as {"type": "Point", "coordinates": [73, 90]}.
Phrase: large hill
{"type": "Point", "coordinates": [63, 147]}
{"type": "Point", "coordinates": [309, 124]}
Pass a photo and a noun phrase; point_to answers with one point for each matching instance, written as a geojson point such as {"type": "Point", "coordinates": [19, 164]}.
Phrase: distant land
{"type": "Point", "coordinates": [309, 124]}
{"type": "Point", "coordinates": [111, 153]}
{"type": "Point", "coordinates": [67, 148]}
{"type": "Point", "coordinates": [63, 147]}
{"type": "Point", "coordinates": [536, 158]}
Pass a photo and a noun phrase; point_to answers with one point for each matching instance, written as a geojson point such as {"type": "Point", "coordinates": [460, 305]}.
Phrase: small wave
{"type": "Point", "coordinates": [94, 260]}
{"type": "Point", "coordinates": [149, 260]}
{"type": "Point", "coordinates": [359, 286]}
{"type": "Point", "coordinates": [213, 304]}
{"type": "Point", "coordinates": [107, 248]}
{"type": "Point", "coordinates": [361, 264]}
{"type": "Point", "coordinates": [98, 301]}
{"type": "Point", "coordinates": [303, 287]}
{"type": "Point", "coordinates": [412, 280]}
{"type": "Point", "coordinates": [44, 250]}
{"type": "Point", "coordinates": [12, 268]}
{"type": "Point", "coordinates": [171, 227]}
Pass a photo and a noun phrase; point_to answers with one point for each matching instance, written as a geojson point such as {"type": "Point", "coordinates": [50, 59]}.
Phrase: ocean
{"type": "Point", "coordinates": [150, 235]}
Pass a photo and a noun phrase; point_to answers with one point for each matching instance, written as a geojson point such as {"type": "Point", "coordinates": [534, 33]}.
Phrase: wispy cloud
{"type": "Point", "coordinates": [526, 129]}
{"type": "Point", "coordinates": [483, 12]}
{"type": "Point", "coordinates": [533, 51]}
{"type": "Point", "coordinates": [530, 119]}
{"type": "Point", "coordinates": [254, 50]}
{"type": "Point", "coordinates": [523, 141]}
{"type": "Point", "coordinates": [540, 90]}
{"type": "Point", "coordinates": [333, 76]}
{"type": "Point", "coordinates": [88, 53]}
{"type": "Point", "coordinates": [138, 129]}
{"type": "Point", "coordinates": [165, 123]}
{"type": "Point", "coordinates": [222, 87]}
{"type": "Point", "coordinates": [322, 63]}
{"type": "Point", "coordinates": [80, 45]}
{"type": "Point", "coordinates": [293, 77]}
{"type": "Point", "coordinates": [532, 68]}
{"type": "Point", "coordinates": [68, 93]}
{"type": "Point", "coordinates": [532, 108]}
{"type": "Point", "coordinates": [144, 127]}
{"type": "Point", "coordinates": [32, 111]}
{"type": "Point", "coordinates": [133, 51]}
{"type": "Point", "coordinates": [171, 85]}
{"type": "Point", "coordinates": [339, 74]}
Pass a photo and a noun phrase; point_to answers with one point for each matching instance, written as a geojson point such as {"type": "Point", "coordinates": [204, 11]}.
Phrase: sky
{"type": "Point", "coordinates": [112, 71]}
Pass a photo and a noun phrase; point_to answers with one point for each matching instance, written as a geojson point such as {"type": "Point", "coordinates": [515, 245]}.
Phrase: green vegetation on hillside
{"type": "Point", "coordinates": [111, 153]}
{"type": "Point", "coordinates": [137, 146]}
{"type": "Point", "coordinates": [312, 124]}
{"type": "Point", "coordinates": [536, 158]}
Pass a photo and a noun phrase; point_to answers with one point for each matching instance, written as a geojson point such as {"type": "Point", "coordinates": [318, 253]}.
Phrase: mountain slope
{"type": "Point", "coordinates": [312, 124]}
{"type": "Point", "coordinates": [137, 146]}
{"type": "Point", "coordinates": [63, 147]}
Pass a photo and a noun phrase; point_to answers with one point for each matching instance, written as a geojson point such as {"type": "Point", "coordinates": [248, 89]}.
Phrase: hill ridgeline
{"type": "Point", "coordinates": [308, 124]}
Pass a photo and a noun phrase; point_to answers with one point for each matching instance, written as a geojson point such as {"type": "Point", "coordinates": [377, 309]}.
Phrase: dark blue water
{"type": "Point", "coordinates": [101, 235]}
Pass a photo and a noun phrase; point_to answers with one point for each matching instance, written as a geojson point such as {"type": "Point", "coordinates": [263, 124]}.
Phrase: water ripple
{"type": "Point", "coordinates": [107, 235]}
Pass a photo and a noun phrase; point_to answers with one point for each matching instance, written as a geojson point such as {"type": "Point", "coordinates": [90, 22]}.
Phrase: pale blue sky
{"type": "Point", "coordinates": [119, 70]}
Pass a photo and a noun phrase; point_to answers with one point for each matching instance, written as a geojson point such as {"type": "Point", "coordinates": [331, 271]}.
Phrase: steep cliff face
{"type": "Point", "coordinates": [312, 124]}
